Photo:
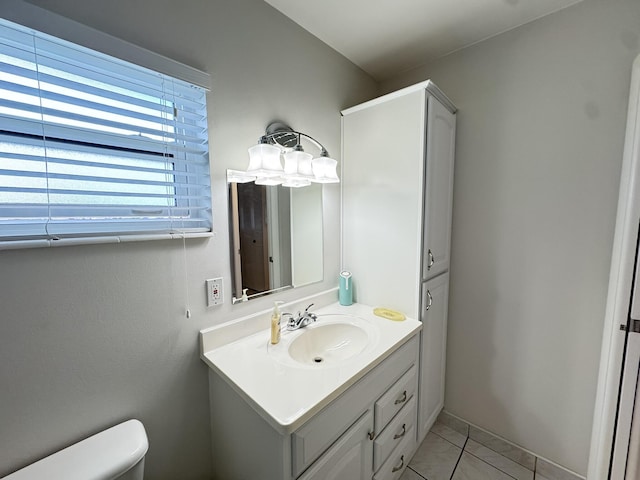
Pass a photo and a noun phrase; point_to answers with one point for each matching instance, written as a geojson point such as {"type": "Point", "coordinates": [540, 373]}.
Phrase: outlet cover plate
{"type": "Point", "coordinates": [215, 292]}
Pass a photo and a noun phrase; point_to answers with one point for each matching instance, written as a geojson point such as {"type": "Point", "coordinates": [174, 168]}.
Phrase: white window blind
{"type": "Point", "coordinates": [92, 147]}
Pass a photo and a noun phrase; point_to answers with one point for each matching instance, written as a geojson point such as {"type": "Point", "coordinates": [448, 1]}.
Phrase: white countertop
{"type": "Point", "coordinates": [285, 393]}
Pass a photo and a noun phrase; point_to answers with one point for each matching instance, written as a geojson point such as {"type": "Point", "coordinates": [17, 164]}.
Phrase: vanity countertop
{"type": "Point", "coordinates": [286, 393]}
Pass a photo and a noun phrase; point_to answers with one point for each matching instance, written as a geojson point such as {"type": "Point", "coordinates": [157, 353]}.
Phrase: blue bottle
{"type": "Point", "coordinates": [345, 290]}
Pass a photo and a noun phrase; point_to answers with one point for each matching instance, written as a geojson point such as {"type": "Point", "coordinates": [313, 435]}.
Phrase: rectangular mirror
{"type": "Point", "coordinates": [276, 237]}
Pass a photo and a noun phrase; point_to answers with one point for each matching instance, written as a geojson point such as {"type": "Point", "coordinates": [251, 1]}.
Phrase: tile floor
{"type": "Point", "coordinates": [454, 451]}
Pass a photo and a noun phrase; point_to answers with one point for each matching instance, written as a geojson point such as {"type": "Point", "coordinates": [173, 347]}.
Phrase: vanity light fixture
{"type": "Point", "coordinates": [300, 168]}
{"type": "Point", "coordinates": [239, 176]}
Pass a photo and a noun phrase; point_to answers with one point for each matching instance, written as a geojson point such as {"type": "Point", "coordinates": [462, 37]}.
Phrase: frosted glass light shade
{"type": "Point", "coordinates": [325, 170]}
{"type": "Point", "coordinates": [290, 164]}
{"type": "Point", "coordinates": [296, 182]}
{"type": "Point", "coordinates": [264, 161]}
{"type": "Point", "coordinates": [239, 176]}
{"type": "Point", "coordinates": [297, 165]}
{"type": "Point", "coordinates": [269, 181]}
{"type": "Point", "coordinates": [305, 166]}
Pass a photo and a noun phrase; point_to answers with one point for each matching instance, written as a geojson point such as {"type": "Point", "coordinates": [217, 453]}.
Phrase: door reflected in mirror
{"type": "Point", "coordinates": [276, 237]}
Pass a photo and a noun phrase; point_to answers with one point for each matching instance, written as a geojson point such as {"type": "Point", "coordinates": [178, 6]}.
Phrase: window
{"type": "Point", "coordinates": [93, 148]}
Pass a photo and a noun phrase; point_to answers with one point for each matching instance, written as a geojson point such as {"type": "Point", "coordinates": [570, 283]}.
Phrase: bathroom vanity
{"type": "Point", "coordinates": [336, 399]}
{"type": "Point", "coordinates": [352, 395]}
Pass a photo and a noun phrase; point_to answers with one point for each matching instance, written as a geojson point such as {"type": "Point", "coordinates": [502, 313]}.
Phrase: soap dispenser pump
{"type": "Point", "coordinates": [275, 323]}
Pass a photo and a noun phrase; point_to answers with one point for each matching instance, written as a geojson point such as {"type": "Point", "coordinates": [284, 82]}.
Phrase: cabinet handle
{"type": "Point", "coordinates": [371, 435]}
{"type": "Point", "coordinates": [400, 435]}
{"type": "Point", "coordinates": [430, 302]}
{"type": "Point", "coordinates": [431, 260]}
{"type": "Point", "coordinates": [399, 467]}
{"type": "Point", "coordinates": [402, 399]}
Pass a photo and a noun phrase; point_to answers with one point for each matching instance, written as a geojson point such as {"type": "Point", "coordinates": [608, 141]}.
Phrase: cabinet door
{"type": "Point", "coordinates": [438, 195]}
{"type": "Point", "coordinates": [350, 458]}
{"type": "Point", "coordinates": [435, 297]}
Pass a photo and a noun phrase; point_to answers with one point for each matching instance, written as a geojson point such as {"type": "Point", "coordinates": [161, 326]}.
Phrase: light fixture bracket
{"type": "Point", "coordinates": [282, 134]}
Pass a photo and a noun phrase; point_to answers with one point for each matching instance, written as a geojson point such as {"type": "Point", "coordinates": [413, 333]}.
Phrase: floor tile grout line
{"type": "Point", "coordinates": [447, 440]}
{"type": "Point", "coordinates": [459, 457]}
{"type": "Point", "coordinates": [417, 473]}
{"type": "Point", "coordinates": [535, 458]}
{"type": "Point", "coordinates": [497, 468]}
{"type": "Point", "coordinates": [468, 437]}
{"type": "Point", "coordinates": [463, 449]}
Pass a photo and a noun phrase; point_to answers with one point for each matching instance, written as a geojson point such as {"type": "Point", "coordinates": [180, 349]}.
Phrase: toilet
{"type": "Point", "coordinates": [116, 453]}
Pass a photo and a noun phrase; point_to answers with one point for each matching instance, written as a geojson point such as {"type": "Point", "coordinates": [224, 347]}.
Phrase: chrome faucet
{"type": "Point", "coordinates": [301, 320]}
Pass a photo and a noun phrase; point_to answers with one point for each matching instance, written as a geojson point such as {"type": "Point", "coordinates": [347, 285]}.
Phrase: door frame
{"type": "Point", "coordinates": [619, 294]}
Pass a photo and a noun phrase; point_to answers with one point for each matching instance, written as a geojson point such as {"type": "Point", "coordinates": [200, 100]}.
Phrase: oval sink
{"type": "Point", "coordinates": [329, 343]}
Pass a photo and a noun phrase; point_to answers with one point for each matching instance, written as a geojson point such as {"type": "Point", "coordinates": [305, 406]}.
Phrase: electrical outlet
{"type": "Point", "coordinates": [215, 292]}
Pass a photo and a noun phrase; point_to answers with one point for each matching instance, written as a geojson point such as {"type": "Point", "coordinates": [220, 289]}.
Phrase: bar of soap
{"type": "Point", "coordinates": [389, 314]}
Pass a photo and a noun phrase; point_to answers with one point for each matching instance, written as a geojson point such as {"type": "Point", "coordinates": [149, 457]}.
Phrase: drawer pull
{"type": "Point", "coordinates": [399, 467]}
{"type": "Point", "coordinates": [402, 399]}
{"type": "Point", "coordinates": [400, 435]}
{"type": "Point", "coordinates": [371, 435]}
{"type": "Point", "coordinates": [431, 260]}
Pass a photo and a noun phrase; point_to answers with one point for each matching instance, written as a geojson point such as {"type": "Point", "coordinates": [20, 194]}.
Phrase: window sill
{"type": "Point", "coordinates": [64, 242]}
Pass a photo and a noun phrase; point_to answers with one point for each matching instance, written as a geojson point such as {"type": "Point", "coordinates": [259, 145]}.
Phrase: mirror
{"type": "Point", "coordinates": [276, 237]}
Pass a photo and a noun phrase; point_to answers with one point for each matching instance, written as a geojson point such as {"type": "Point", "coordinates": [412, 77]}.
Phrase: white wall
{"type": "Point", "coordinates": [93, 335]}
{"type": "Point", "coordinates": [541, 121]}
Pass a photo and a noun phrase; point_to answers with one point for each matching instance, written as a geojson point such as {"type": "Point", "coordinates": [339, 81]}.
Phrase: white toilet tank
{"type": "Point", "coordinates": [116, 453]}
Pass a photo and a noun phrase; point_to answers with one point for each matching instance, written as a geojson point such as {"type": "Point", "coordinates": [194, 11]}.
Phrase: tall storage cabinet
{"type": "Point", "coordinates": [397, 185]}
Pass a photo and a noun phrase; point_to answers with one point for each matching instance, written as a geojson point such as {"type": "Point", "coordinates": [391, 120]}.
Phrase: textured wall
{"type": "Point", "coordinates": [92, 335]}
{"type": "Point", "coordinates": [539, 149]}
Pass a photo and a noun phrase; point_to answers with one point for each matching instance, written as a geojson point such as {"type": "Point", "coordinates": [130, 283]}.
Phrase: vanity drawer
{"type": "Point", "coordinates": [319, 433]}
{"type": "Point", "coordinates": [396, 397]}
{"type": "Point", "coordinates": [394, 433]}
{"type": "Point", "coordinates": [399, 459]}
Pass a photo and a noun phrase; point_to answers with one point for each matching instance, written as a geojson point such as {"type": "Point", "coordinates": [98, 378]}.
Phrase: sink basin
{"type": "Point", "coordinates": [330, 343]}
{"type": "Point", "coordinates": [332, 339]}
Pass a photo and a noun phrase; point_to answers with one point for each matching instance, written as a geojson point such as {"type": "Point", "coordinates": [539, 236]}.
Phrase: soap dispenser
{"type": "Point", "coordinates": [275, 323]}
{"type": "Point", "coordinates": [345, 288]}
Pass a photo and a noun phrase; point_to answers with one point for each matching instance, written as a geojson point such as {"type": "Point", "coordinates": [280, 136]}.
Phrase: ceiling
{"type": "Point", "coordinates": [386, 37]}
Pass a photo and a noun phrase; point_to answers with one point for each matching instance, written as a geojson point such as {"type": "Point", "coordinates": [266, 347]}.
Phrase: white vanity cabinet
{"type": "Point", "coordinates": [378, 438]}
{"type": "Point", "coordinates": [367, 432]}
{"type": "Point", "coordinates": [397, 191]}
{"type": "Point", "coordinates": [350, 457]}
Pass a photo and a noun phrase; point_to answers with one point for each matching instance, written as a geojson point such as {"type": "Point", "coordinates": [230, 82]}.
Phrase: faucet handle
{"type": "Point", "coordinates": [309, 314]}
{"type": "Point", "coordinates": [290, 315]}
